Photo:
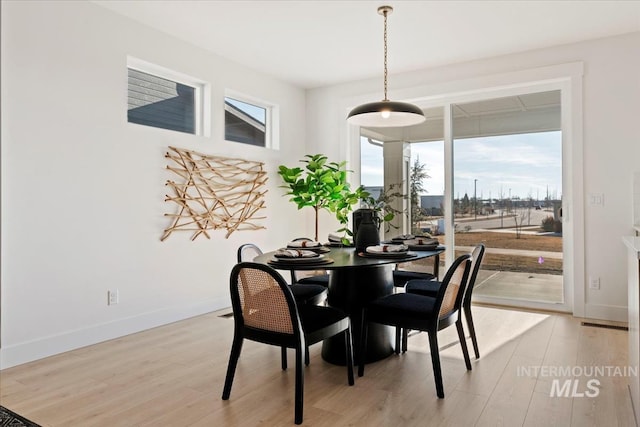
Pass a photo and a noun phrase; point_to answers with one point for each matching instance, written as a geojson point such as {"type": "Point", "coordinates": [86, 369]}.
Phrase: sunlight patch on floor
{"type": "Point", "coordinates": [494, 328]}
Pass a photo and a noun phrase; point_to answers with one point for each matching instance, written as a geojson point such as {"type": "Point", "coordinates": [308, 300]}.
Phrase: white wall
{"type": "Point", "coordinates": [83, 190]}
{"type": "Point", "coordinates": [611, 140]}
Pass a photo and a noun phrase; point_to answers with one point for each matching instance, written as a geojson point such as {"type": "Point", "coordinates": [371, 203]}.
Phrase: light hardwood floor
{"type": "Point", "coordinates": [173, 376]}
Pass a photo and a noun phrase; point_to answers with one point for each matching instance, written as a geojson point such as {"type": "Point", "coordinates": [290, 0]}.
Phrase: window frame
{"type": "Point", "coordinates": [202, 93]}
{"type": "Point", "coordinates": [270, 120]}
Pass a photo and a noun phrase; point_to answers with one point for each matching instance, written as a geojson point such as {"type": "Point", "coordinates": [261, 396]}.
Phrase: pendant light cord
{"type": "Point", "coordinates": [385, 13]}
{"type": "Point", "coordinates": [385, 113]}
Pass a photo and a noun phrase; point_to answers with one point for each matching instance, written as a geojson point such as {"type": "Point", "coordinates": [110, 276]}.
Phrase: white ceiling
{"type": "Point", "coordinates": [319, 43]}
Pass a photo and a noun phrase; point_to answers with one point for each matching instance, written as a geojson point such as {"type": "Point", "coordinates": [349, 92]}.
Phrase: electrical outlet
{"type": "Point", "coordinates": [594, 283]}
{"type": "Point", "coordinates": [113, 297]}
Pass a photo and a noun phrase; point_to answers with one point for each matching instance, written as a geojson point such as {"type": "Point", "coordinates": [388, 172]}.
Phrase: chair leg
{"type": "Point", "coordinates": [405, 339]}
{"type": "Point", "coordinates": [463, 343]}
{"type": "Point", "coordinates": [236, 347]}
{"type": "Point", "coordinates": [283, 356]}
{"type": "Point", "coordinates": [349, 346]}
{"type": "Point", "coordinates": [472, 330]}
{"type": "Point", "coordinates": [299, 398]}
{"type": "Point", "coordinates": [435, 361]}
{"type": "Point", "coordinates": [363, 344]}
{"type": "Point", "coordinates": [306, 355]}
{"type": "Point", "coordinates": [398, 337]}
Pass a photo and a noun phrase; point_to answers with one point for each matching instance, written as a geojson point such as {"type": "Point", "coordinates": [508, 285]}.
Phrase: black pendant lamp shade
{"type": "Point", "coordinates": [386, 113]}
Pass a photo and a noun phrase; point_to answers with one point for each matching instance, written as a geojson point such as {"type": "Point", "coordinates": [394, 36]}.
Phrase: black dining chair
{"type": "Point", "coordinates": [403, 273]}
{"type": "Point", "coordinates": [431, 287]}
{"type": "Point", "coordinates": [422, 313]}
{"type": "Point", "coordinates": [303, 294]}
{"type": "Point", "coordinates": [402, 276]}
{"type": "Point", "coordinates": [264, 310]}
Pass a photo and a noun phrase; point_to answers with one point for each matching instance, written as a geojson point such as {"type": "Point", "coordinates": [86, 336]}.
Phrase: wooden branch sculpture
{"type": "Point", "coordinates": [214, 193]}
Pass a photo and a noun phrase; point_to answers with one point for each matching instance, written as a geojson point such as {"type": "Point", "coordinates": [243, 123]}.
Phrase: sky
{"type": "Point", "coordinates": [524, 165]}
{"type": "Point", "coordinates": [258, 113]}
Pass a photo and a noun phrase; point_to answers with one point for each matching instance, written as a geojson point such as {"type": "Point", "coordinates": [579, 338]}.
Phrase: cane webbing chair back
{"type": "Point", "coordinates": [263, 302]}
{"type": "Point", "coordinates": [454, 290]}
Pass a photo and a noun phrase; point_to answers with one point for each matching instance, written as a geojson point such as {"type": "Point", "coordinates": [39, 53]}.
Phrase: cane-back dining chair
{"type": "Point", "coordinates": [422, 313]}
{"type": "Point", "coordinates": [431, 287]}
{"type": "Point", "coordinates": [303, 294]}
{"type": "Point", "coordinates": [264, 310]}
{"type": "Point", "coordinates": [404, 272]}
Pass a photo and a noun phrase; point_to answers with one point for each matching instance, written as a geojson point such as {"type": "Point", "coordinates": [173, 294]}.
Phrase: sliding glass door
{"type": "Point", "coordinates": [507, 193]}
{"type": "Point", "coordinates": [492, 173]}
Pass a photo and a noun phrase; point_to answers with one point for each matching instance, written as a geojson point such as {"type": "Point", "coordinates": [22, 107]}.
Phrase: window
{"type": "Point", "coordinates": [164, 99]}
{"type": "Point", "coordinates": [246, 122]}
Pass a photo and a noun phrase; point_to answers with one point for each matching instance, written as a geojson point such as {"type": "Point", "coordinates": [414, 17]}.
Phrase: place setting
{"type": "Point", "coordinates": [387, 251]}
{"type": "Point", "coordinates": [298, 257]}
{"type": "Point", "coordinates": [417, 243]}
{"type": "Point", "coordinates": [308, 245]}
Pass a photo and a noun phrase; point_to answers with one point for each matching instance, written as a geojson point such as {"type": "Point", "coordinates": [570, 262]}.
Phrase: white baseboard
{"type": "Point", "coordinates": [606, 312]}
{"type": "Point", "coordinates": [18, 354]}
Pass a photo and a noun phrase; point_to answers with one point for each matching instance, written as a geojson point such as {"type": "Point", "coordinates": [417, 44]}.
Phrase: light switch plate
{"type": "Point", "coordinates": [596, 199]}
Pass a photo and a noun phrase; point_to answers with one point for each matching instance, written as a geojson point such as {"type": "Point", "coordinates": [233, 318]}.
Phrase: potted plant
{"type": "Point", "coordinates": [383, 205]}
{"type": "Point", "coordinates": [372, 213]}
{"type": "Point", "coordinates": [321, 185]}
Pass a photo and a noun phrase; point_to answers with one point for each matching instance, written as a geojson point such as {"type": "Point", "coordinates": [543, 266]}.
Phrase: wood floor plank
{"type": "Point", "coordinates": [548, 411]}
{"type": "Point", "coordinates": [173, 376]}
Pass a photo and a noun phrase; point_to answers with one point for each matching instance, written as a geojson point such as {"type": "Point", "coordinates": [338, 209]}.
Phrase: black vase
{"type": "Point", "coordinates": [366, 226]}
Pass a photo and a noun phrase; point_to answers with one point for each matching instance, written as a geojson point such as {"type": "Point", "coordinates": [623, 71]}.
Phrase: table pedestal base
{"type": "Point", "coordinates": [349, 290]}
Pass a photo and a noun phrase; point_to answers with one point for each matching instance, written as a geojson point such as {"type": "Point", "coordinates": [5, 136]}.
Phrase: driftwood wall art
{"type": "Point", "coordinates": [214, 193]}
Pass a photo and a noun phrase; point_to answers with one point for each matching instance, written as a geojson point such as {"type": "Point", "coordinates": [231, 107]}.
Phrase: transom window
{"type": "Point", "coordinates": [246, 122]}
{"type": "Point", "coordinates": [164, 99]}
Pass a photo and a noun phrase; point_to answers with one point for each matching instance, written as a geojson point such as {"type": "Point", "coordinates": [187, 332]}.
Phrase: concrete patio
{"type": "Point", "coordinates": [545, 288]}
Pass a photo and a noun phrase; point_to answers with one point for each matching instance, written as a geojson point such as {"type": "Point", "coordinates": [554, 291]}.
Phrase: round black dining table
{"type": "Point", "coordinates": [355, 279]}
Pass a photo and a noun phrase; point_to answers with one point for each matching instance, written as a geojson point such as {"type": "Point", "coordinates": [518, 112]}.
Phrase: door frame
{"type": "Point", "coordinates": [567, 78]}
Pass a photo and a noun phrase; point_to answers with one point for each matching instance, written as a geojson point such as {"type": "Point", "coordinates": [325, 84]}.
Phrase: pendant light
{"type": "Point", "coordinates": [386, 113]}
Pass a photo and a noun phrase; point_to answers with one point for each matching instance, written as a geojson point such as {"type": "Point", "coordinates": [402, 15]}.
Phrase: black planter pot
{"type": "Point", "coordinates": [366, 228]}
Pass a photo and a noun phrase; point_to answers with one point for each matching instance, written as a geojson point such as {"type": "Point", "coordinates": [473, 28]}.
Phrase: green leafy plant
{"type": "Point", "coordinates": [417, 175]}
{"type": "Point", "coordinates": [321, 184]}
{"type": "Point", "coordinates": [383, 205]}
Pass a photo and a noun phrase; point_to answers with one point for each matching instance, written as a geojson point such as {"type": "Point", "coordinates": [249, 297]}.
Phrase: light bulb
{"type": "Point", "coordinates": [385, 114]}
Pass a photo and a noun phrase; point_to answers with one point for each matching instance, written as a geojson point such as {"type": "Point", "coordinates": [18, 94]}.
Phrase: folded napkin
{"type": "Point", "coordinates": [307, 243]}
{"type": "Point", "coordinates": [386, 248]}
{"type": "Point", "coordinates": [334, 237]}
{"type": "Point", "coordinates": [294, 253]}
